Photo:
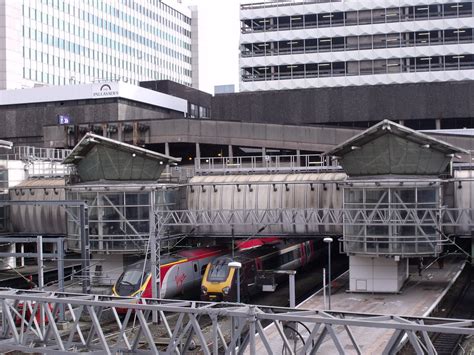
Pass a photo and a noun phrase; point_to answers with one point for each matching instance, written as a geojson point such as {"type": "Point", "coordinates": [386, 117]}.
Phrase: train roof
{"type": "Point", "coordinates": [249, 254]}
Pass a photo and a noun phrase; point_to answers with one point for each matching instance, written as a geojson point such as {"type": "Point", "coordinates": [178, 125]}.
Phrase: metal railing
{"type": "Point", "coordinates": [27, 153]}
{"type": "Point", "coordinates": [92, 323]}
{"type": "Point", "coordinates": [264, 164]}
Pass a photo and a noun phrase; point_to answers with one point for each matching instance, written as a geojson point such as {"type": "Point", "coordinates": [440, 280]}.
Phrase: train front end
{"type": "Point", "coordinates": [218, 281]}
{"type": "Point", "coordinates": [134, 282]}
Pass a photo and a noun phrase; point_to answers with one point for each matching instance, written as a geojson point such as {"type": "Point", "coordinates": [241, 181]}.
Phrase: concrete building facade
{"type": "Point", "coordinates": [312, 44]}
{"type": "Point", "coordinates": [59, 42]}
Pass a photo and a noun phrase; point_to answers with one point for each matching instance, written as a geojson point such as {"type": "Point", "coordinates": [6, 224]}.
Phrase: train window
{"type": "Point", "coordinates": [203, 269]}
{"type": "Point", "coordinates": [195, 268]}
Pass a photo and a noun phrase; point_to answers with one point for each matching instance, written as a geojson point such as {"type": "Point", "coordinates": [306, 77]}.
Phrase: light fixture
{"type": "Point", "coordinates": [295, 18]}
{"type": "Point", "coordinates": [459, 31]}
{"type": "Point", "coordinates": [292, 42]}
{"type": "Point", "coordinates": [458, 56]}
{"type": "Point", "coordinates": [323, 65]}
{"type": "Point", "coordinates": [354, 147]}
{"type": "Point", "coordinates": [422, 9]}
{"type": "Point", "coordinates": [291, 66]}
{"type": "Point", "coordinates": [325, 40]}
{"type": "Point", "coordinates": [134, 155]}
{"type": "Point", "coordinates": [424, 34]}
{"type": "Point", "coordinates": [426, 58]}
{"type": "Point", "coordinates": [391, 39]}
{"type": "Point", "coordinates": [390, 14]}
{"type": "Point", "coordinates": [425, 146]}
{"type": "Point", "coordinates": [327, 16]}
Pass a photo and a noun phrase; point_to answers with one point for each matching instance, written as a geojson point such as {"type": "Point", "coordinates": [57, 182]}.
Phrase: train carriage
{"type": "Point", "coordinates": [219, 280]}
{"type": "Point", "coordinates": [181, 274]}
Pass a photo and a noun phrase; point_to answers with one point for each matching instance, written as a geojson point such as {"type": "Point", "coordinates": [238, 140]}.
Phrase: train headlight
{"type": "Point", "coordinates": [204, 290]}
{"type": "Point", "coordinates": [226, 290]}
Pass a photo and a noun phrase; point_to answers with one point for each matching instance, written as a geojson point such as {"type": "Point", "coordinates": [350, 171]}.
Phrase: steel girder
{"type": "Point", "coordinates": [429, 217]}
{"type": "Point", "coordinates": [107, 324]}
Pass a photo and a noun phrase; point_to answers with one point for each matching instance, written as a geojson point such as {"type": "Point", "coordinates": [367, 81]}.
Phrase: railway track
{"type": "Point", "coordinates": [448, 344]}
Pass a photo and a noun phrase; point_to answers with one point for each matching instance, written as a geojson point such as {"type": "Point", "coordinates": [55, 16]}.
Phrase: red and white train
{"type": "Point", "coordinates": [181, 274]}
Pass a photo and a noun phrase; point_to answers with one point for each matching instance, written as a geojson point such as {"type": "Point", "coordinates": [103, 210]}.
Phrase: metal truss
{"type": "Point", "coordinates": [429, 217]}
{"type": "Point", "coordinates": [107, 324]}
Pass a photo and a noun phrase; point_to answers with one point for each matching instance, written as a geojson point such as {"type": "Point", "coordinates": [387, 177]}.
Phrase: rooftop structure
{"type": "Point", "coordinates": [60, 43]}
{"type": "Point", "coordinates": [304, 44]}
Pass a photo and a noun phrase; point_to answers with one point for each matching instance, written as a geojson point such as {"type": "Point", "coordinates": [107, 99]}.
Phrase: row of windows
{"type": "Point", "coordinates": [75, 48]}
{"type": "Point", "coordinates": [51, 79]}
{"type": "Point", "coordinates": [361, 17]}
{"type": "Point", "coordinates": [65, 26]}
{"type": "Point", "coordinates": [355, 68]}
{"type": "Point", "coordinates": [104, 59]}
{"type": "Point", "coordinates": [124, 15]}
{"type": "Point", "coordinates": [332, 44]}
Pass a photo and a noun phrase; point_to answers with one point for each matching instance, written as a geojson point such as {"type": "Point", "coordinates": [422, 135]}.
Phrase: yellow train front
{"type": "Point", "coordinates": [219, 280]}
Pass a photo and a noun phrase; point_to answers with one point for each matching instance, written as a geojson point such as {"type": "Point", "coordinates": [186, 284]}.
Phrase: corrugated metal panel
{"type": "Point", "coordinates": [44, 220]}
{"type": "Point", "coordinates": [261, 192]}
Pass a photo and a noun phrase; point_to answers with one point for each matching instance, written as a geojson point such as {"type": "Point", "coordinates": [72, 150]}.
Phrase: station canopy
{"type": "Point", "coordinates": [388, 148]}
{"type": "Point", "coordinates": [99, 158]}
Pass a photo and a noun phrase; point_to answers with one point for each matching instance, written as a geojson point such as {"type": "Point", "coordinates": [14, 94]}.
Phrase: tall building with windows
{"type": "Point", "coordinates": [58, 42]}
{"type": "Point", "coordinates": [287, 44]}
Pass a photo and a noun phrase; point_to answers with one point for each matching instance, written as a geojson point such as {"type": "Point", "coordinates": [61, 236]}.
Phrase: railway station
{"type": "Point", "coordinates": [374, 233]}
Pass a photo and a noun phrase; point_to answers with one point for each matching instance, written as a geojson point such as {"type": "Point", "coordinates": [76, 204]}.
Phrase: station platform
{"type": "Point", "coordinates": [419, 297]}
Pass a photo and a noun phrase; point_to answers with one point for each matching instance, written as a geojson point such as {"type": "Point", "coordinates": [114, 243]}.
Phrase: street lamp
{"type": "Point", "coordinates": [328, 240]}
{"type": "Point", "coordinates": [236, 265]}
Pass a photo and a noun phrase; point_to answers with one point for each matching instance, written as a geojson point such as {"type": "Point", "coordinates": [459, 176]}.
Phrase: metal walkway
{"type": "Point", "coordinates": [93, 324]}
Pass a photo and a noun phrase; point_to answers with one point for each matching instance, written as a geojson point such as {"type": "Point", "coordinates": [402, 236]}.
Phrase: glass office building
{"type": "Point", "coordinates": [59, 42]}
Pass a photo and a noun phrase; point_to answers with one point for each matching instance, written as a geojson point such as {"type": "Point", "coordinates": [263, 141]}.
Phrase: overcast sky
{"type": "Point", "coordinates": [219, 32]}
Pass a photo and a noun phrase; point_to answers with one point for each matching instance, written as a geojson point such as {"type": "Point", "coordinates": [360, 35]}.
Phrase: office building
{"type": "Point", "coordinates": [313, 43]}
{"type": "Point", "coordinates": [60, 42]}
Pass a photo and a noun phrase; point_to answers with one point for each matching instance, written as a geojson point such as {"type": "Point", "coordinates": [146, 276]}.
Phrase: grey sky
{"type": "Point", "coordinates": [219, 32]}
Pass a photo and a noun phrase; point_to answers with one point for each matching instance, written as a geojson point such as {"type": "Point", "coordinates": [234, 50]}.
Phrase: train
{"type": "Point", "coordinates": [219, 280]}
{"type": "Point", "coordinates": [180, 272]}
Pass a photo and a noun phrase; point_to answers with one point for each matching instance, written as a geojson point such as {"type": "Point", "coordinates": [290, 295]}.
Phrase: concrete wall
{"type": "Point", "coordinates": [23, 124]}
{"type": "Point", "coordinates": [377, 274]}
{"type": "Point", "coordinates": [349, 104]}
{"type": "Point", "coordinates": [316, 139]}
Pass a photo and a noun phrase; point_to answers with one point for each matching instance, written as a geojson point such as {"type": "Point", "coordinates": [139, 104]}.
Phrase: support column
{"type": "Point", "coordinates": [155, 274]}
{"type": "Point", "coordinates": [438, 123]}
{"type": "Point", "coordinates": [85, 248]}
{"type": "Point", "coordinates": [264, 152]}
{"type": "Point", "coordinates": [298, 158]}
{"type": "Point", "coordinates": [167, 152]}
{"type": "Point", "coordinates": [198, 151]}
{"type": "Point", "coordinates": [230, 151]}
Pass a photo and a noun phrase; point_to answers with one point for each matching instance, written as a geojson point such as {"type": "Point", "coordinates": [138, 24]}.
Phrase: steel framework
{"type": "Point", "coordinates": [93, 324]}
{"type": "Point", "coordinates": [429, 217]}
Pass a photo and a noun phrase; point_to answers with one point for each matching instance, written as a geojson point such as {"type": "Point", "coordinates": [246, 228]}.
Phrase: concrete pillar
{"type": "Point", "coordinates": [198, 152]}
{"type": "Point", "coordinates": [231, 151]}
{"type": "Point", "coordinates": [298, 157]}
{"type": "Point", "coordinates": [438, 123]}
{"type": "Point", "coordinates": [167, 152]}
{"type": "Point", "coordinates": [264, 152]}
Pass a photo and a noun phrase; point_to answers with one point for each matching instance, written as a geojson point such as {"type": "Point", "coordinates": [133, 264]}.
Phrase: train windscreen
{"type": "Point", "coordinates": [131, 280]}
{"type": "Point", "coordinates": [219, 270]}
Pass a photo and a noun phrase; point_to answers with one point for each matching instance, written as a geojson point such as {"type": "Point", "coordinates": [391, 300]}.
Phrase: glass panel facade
{"type": "Point", "coordinates": [392, 221]}
{"type": "Point", "coordinates": [119, 221]}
